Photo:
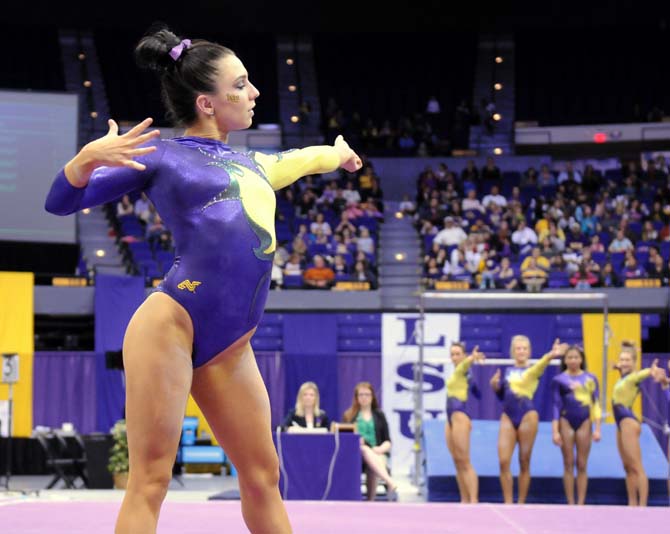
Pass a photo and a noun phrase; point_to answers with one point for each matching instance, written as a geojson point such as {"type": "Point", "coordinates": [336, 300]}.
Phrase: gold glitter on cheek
{"type": "Point", "coordinates": [232, 98]}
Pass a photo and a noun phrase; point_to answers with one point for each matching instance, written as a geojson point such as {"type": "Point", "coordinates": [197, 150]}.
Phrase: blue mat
{"type": "Point", "coordinates": [606, 474]}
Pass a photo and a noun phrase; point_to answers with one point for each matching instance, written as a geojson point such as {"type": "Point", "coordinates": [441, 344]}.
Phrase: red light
{"type": "Point", "coordinates": [599, 137]}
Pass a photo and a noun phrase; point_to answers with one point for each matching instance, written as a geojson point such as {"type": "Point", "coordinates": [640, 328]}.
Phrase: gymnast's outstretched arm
{"type": "Point", "coordinates": [284, 168]}
{"type": "Point", "coordinates": [106, 169]}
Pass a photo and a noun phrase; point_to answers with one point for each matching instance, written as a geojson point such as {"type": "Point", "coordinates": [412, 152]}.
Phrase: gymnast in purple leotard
{"type": "Point", "coordinates": [576, 407]}
{"type": "Point", "coordinates": [192, 334]}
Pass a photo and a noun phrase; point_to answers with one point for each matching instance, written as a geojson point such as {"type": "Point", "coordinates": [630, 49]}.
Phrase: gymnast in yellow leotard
{"type": "Point", "coordinates": [458, 427]}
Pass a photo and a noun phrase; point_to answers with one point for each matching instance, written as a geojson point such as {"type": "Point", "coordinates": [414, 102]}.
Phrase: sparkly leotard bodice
{"type": "Point", "coordinates": [219, 205]}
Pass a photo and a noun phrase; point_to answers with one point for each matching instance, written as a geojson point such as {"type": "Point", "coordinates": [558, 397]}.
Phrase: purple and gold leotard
{"type": "Point", "coordinates": [576, 398]}
{"type": "Point", "coordinates": [624, 393]}
{"type": "Point", "coordinates": [518, 389]}
{"type": "Point", "coordinates": [220, 207]}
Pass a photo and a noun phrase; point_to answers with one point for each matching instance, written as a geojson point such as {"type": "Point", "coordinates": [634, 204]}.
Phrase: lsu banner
{"type": "Point", "coordinates": [400, 353]}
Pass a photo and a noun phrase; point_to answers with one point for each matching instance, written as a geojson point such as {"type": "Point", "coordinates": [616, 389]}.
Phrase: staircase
{"type": "Point", "coordinates": [488, 73]}
{"type": "Point", "coordinates": [399, 261]}
{"type": "Point", "coordinates": [98, 249]}
{"type": "Point", "coordinates": [300, 76]}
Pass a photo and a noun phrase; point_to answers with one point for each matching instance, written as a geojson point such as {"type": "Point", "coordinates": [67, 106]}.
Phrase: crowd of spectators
{"type": "Point", "coordinates": [422, 133]}
{"type": "Point", "coordinates": [544, 228]}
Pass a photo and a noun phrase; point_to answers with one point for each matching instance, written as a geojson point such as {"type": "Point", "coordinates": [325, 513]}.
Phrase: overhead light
{"type": "Point", "coordinates": [292, 88]}
{"type": "Point", "coordinates": [398, 215]}
{"type": "Point", "coordinates": [497, 116]}
{"type": "Point", "coordinates": [400, 256]}
{"type": "Point", "coordinates": [294, 118]}
{"type": "Point", "coordinates": [497, 151]}
{"type": "Point", "coordinates": [499, 59]}
{"type": "Point", "coordinates": [81, 56]}
{"type": "Point", "coordinates": [86, 211]}
{"type": "Point", "coordinates": [94, 114]}
{"type": "Point", "coordinates": [289, 61]}
{"type": "Point", "coordinates": [497, 86]}
{"type": "Point", "coordinates": [87, 83]}
{"type": "Point", "coordinates": [100, 253]}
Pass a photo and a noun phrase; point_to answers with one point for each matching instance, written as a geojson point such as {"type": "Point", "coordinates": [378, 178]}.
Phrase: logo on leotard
{"type": "Point", "coordinates": [187, 284]}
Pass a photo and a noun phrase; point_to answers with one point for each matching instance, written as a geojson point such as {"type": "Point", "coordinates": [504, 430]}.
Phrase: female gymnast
{"type": "Point", "coordinates": [373, 428]}
{"type": "Point", "coordinates": [628, 427]}
{"type": "Point", "coordinates": [519, 420]}
{"type": "Point", "coordinates": [458, 427]}
{"type": "Point", "coordinates": [193, 334]}
{"type": "Point", "coordinates": [576, 408]}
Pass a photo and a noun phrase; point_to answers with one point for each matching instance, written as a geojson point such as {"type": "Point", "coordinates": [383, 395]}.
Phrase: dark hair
{"type": "Point", "coordinates": [582, 366]}
{"type": "Point", "coordinates": [193, 73]}
{"type": "Point", "coordinates": [630, 347]}
{"type": "Point", "coordinates": [460, 344]}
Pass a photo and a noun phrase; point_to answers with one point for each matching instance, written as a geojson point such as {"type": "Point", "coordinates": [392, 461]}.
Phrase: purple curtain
{"type": "Point", "coordinates": [353, 368]}
{"type": "Point", "coordinates": [64, 390]}
{"type": "Point", "coordinates": [271, 367]}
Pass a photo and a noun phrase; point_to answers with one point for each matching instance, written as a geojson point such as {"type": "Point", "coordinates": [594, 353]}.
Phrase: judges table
{"type": "Point", "coordinates": [306, 461]}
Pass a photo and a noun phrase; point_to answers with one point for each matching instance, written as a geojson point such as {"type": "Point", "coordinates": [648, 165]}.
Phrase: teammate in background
{"type": "Point", "coordinates": [459, 425]}
{"type": "Point", "coordinates": [519, 420]}
{"type": "Point", "coordinates": [576, 408]}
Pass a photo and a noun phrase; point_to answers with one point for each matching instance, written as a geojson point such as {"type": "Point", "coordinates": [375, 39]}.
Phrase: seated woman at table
{"type": "Point", "coordinates": [307, 413]}
{"type": "Point", "coordinates": [373, 428]}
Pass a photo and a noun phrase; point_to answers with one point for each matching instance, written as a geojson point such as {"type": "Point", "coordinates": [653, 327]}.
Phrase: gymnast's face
{"type": "Point", "coordinates": [235, 98]}
{"type": "Point", "coordinates": [626, 362]}
{"type": "Point", "coordinates": [573, 361]}
{"type": "Point", "coordinates": [520, 351]}
{"type": "Point", "coordinates": [457, 354]}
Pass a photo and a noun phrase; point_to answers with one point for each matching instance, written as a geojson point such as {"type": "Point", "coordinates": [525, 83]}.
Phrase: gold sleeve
{"type": "Point", "coordinates": [284, 168]}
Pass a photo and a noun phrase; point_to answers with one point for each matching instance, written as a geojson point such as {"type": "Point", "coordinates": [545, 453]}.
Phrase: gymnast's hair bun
{"type": "Point", "coordinates": [153, 50]}
{"type": "Point", "coordinates": [628, 343]}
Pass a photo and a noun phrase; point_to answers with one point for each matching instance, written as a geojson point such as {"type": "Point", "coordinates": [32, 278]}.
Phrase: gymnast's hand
{"type": "Point", "coordinates": [557, 439]}
{"type": "Point", "coordinates": [349, 160]}
{"type": "Point", "coordinates": [596, 435]}
{"type": "Point", "coordinates": [112, 150]}
{"type": "Point", "coordinates": [477, 356]}
{"type": "Point", "coordinates": [559, 349]}
{"type": "Point", "coordinates": [495, 380]}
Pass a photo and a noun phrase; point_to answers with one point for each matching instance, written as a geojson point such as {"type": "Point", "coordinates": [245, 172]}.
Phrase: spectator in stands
{"type": "Point", "coordinates": [320, 275]}
{"type": "Point", "coordinates": [608, 277]}
{"type": "Point", "coordinates": [320, 224]}
{"type": "Point", "coordinates": [307, 413]}
{"type": "Point", "coordinates": [470, 173]}
{"type": "Point", "coordinates": [451, 234]}
{"type": "Point", "coordinates": [649, 233]}
{"type": "Point", "coordinates": [277, 275]}
{"type": "Point", "coordinates": [142, 208]}
{"type": "Point", "coordinates": [596, 245]}
{"type": "Point", "coordinates": [407, 207]}
{"type": "Point", "coordinates": [620, 243]}
{"type": "Point", "coordinates": [659, 270]}
{"type": "Point", "coordinates": [494, 197]}
{"type": "Point", "coordinates": [584, 278]}
{"type": "Point", "coordinates": [300, 245]}
{"type": "Point", "coordinates": [124, 207]}
{"type": "Point", "coordinates": [506, 277]}
{"type": "Point", "coordinates": [546, 178]}
{"type": "Point", "coordinates": [488, 270]}
{"type": "Point", "coordinates": [631, 269]}
{"type": "Point", "coordinates": [529, 179]}
{"type": "Point", "coordinates": [654, 253]}
{"type": "Point", "coordinates": [340, 267]}
{"type": "Point", "coordinates": [340, 202]}
{"type": "Point", "coordinates": [365, 179]}
{"type": "Point", "coordinates": [457, 268]}
{"type": "Point", "coordinates": [490, 171]}
{"type": "Point", "coordinates": [532, 276]}
{"type": "Point", "coordinates": [364, 242]}
{"type": "Point", "coordinates": [591, 180]}
{"type": "Point", "coordinates": [376, 196]}
{"type": "Point", "coordinates": [524, 238]}
{"type": "Point", "coordinates": [540, 261]}
{"type": "Point", "coordinates": [345, 223]}
{"type": "Point", "coordinates": [328, 195]}
{"type": "Point", "coordinates": [587, 221]}
{"type": "Point", "coordinates": [471, 203]}
{"type": "Point", "coordinates": [569, 175]}
{"type": "Point", "coordinates": [372, 426]}
{"type": "Point", "coordinates": [306, 203]}
{"type": "Point", "coordinates": [157, 234]}
{"type": "Point", "coordinates": [362, 273]}
{"type": "Point", "coordinates": [293, 266]}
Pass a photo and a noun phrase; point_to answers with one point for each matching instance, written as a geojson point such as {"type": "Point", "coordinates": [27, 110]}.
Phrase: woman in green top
{"type": "Point", "coordinates": [373, 428]}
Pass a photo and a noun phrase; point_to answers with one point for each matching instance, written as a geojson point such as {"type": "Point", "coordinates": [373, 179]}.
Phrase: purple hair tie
{"type": "Point", "coordinates": [176, 51]}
